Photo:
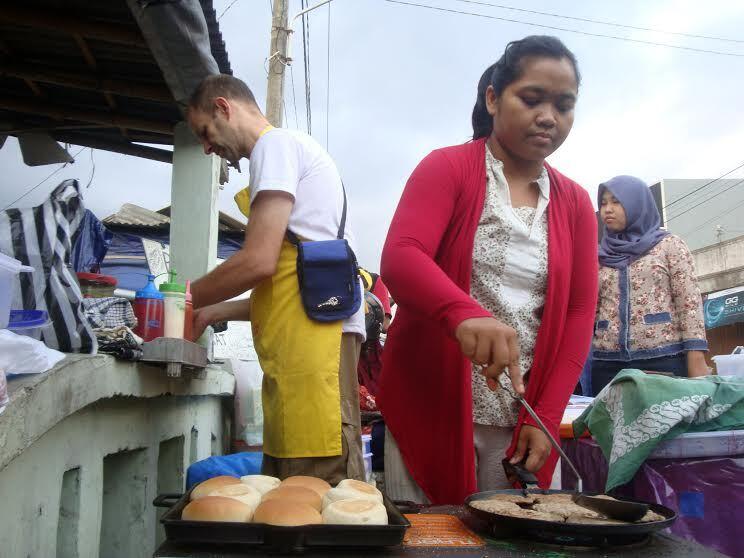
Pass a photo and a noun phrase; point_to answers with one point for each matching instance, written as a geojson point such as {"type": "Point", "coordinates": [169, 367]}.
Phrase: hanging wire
{"type": "Point", "coordinates": [706, 200]}
{"type": "Point", "coordinates": [556, 28]}
{"type": "Point", "coordinates": [600, 22]}
{"type": "Point", "coordinates": [294, 97]}
{"type": "Point", "coordinates": [27, 192]}
{"type": "Point", "coordinates": [306, 60]}
{"type": "Point", "coordinates": [707, 184]}
{"type": "Point", "coordinates": [230, 6]}
{"type": "Point", "coordinates": [328, 79]}
{"type": "Point", "coordinates": [93, 170]}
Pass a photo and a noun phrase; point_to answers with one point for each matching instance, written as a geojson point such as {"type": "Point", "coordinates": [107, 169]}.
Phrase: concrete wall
{"type": "Point", "coordinates": [720, 265]}
{"type": "Point", "coordinates": [80, 483]}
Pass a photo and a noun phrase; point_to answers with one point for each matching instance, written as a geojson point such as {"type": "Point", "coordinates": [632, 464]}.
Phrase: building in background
{"type": "Point", "coordinates": [703, 212]}
{"type": "Point", "coordinates": [708, 214]}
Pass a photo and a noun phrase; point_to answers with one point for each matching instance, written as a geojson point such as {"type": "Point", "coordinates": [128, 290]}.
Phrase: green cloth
{"type": "Point", "coordinates": [636, 411]}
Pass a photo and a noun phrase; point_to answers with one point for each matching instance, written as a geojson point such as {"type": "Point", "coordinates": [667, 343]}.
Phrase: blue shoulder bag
{"type": "Point", "coordinates": [328, 275]}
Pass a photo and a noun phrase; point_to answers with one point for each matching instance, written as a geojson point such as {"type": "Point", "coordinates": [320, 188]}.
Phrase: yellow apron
{"type": "Point", "coordinates": [300, 361]}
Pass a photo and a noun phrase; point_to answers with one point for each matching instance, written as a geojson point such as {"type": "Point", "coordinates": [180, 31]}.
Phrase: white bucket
{"type": "Point", "coordinates": [730, 365]}
{"type": "Point", "coordinates": [9, 269]}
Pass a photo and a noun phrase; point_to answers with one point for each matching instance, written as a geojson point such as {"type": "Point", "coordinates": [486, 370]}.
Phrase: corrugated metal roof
{"type": "Point", "coordinates": [131, 215]}
{"type": "Point", "coordinates": [135, 216]}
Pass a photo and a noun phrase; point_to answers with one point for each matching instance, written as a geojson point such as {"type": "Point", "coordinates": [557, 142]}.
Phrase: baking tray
{"type": "Point", "coordinates": [275, 538]}
{"type": "Point", "coordinates": [571, 534]}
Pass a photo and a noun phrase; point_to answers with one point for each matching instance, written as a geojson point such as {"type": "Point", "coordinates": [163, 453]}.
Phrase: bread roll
{"type": "Point", "coordinates": [287, 513]}
{"type": "Point", "coordinates": [313, 483]}
{"type": "Point", "coordinates": [262, 483]}
{"type": "Point", "coordinates": [298, 494]}
{"type": "Point", "coordinates": [217, 508]}
{"type": "Point", "coordinates": [350, 489]}
{"type": "Point", "coordinates": [355, 512]}
{"type": "Point", "coordinates": [210, 485]}
{"type": "Point", "coordinates": [240, 492]}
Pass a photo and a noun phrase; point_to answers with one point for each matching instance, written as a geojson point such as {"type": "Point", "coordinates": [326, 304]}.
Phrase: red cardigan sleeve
{"type": "Point", "coordinates": [420, 222]}
{"type": "Point", "coordinates": [577, 333]}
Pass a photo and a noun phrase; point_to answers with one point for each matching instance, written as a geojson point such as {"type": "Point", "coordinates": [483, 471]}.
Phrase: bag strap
{"type": "Point", "coordinates": [292, 237]}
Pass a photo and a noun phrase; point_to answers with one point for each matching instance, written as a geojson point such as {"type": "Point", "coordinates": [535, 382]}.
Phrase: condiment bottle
{"type": "Point", "coordinates": [188, 325]}
{"type": "Point", "coordinates": [148, 308]}
{"type": "Point", "coordinates": [175, 306]}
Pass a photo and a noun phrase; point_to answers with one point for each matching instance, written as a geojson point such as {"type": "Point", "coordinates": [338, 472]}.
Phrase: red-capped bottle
{"type": "Point", "coordinates": [188, 318]}
{"type": "Point", "coordinates": [149, 309]}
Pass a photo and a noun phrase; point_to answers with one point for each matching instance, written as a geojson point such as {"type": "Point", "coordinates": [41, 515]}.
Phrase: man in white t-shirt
{"type": "Point", "coordinates": [295, 185]}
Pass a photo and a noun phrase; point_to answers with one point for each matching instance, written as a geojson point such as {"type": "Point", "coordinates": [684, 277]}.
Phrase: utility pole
{"type": "Point", "coordinates": [277, 62]}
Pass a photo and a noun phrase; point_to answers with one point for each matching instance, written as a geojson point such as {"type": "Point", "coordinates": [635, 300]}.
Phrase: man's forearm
{"type": "Point", "coordinates": [237, 275]}
{"type": "Point", "coordinates": [233, 310]}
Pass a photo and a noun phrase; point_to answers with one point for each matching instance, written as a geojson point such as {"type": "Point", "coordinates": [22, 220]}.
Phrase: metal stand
{"type": "Point", "coordinates": [176, 355]}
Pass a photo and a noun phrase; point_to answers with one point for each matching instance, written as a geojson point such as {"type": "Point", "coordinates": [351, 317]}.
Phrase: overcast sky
{"type": "Point", "coordinates": [403, 80]}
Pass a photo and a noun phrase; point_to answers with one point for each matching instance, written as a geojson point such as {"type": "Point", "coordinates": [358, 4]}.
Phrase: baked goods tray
{"type": "Point", "coordinates": [275, 538]}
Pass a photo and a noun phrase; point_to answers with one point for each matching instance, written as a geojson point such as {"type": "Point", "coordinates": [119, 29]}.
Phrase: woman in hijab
{"type": "Point", "coordinates": [649, 312]}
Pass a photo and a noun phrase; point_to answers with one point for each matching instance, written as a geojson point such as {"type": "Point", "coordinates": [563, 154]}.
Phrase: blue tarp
{"type": "Point", "coordinates": [233, 465]}
{"type": "Point", "coordinates": [91, 244]}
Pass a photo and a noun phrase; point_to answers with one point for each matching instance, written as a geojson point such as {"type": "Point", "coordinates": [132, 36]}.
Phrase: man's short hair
{"type": "Point", "coordinates": [220, 85]}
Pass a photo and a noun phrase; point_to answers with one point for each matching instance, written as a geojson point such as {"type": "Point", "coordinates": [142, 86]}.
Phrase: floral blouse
{"type": "Point", "coordinates": [509, 278]}
{"type": "Point", "coordinates": [652, 308]}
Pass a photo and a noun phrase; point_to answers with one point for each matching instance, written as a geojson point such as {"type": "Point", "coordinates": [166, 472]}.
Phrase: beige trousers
{"type": "Point", "coordinates": [491, 443]}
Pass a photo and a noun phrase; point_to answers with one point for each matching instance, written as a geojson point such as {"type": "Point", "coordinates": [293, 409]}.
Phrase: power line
{"type": "Point", "coordinates": [328, 78]}
{"type": "Point", "coordinates": [555, 28]}
{"type": "Point", "coordinates": [705, 200]}
{"type": "Point", "coordinates": [687, 195]}
{"type": "Point", "coordinates": [230, 6]}
{"type": "Point", "coordinates": [734, 208]}
{"type": "Point", "coordinates": [27, 192]}
{"type": "Point", "coordinates": [306, 59]}
{"type": "Point", "coordinates": [294, 97]}
{"type": "Point", "coordinates": [600, 22]}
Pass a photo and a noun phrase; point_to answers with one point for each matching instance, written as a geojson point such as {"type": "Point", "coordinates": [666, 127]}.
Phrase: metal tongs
{"type": "Point", "coordinates": [614, 509]}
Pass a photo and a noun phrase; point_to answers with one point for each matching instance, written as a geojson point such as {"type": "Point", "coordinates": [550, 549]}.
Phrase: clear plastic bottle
{"type": "Point", "coordinates": [149, 308]}
{"type": "Point", "coordinates": [175, 306]}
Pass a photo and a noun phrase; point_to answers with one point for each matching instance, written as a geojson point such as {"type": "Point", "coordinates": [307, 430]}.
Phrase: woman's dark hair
{"type": "Point", "coordinates": [508, 68]}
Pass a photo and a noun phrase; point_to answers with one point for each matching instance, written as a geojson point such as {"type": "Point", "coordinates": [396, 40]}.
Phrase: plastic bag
{"type": "Point", "coordinates": [23, 355]}
{"type": "Point", "coordinates": [248, 406]}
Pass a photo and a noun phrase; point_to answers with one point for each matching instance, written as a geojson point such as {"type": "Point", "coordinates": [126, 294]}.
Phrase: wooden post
{"type": "Point", "coordinates": [277, 60]}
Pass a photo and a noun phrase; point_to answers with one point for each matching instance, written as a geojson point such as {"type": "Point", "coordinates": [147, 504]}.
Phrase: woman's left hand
{"type": "Point", "coordinates": [534, 445]}
{"type": "Point", "coordinates": [696, 365]}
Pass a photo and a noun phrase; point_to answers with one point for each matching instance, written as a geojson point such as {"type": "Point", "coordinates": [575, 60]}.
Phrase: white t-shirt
{"type": "Point", "coordinates": [293, 162]}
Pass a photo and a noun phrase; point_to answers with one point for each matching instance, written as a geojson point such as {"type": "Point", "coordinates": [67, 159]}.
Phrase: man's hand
{"type": "Point", "coordinates": [534, 445]}
{"type": "Point", "coordinates": [232, 310]}
{"type": "Point", "coordinates": [488, 342]}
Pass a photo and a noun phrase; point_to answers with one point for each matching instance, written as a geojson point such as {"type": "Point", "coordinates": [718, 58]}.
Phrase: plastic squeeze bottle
{"type": "Point", "coordinates": [188, 323]}
{"type": "Point", "coordinates": [174, 296]}
{"type": "Point", "coordinates": [148, 308]}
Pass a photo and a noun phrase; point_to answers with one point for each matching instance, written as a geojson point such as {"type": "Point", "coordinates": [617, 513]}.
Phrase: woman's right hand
{"type": "Point", "coordinates": [493, 344]}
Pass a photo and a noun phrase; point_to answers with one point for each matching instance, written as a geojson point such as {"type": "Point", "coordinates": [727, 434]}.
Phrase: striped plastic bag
{"type": "Point", "coordinates": [43, 237]}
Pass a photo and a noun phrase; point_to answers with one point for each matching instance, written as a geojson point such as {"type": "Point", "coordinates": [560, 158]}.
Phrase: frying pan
{"type": "Point", "coordinates": [572, 534]}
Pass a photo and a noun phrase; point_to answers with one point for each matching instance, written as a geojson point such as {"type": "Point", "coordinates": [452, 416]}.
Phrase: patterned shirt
{"type": "Point", "coordinates": [652, 308]}
{"type": "Point", "coordinates": [510, 273]}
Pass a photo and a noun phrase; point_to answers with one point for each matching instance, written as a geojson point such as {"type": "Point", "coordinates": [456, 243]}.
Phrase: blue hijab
{"type": "Point", "coordinates": [641, 231]}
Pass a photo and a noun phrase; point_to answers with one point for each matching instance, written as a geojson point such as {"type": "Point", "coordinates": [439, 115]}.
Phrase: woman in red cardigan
{"type": "Point", "coordinates": [492, 258]}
